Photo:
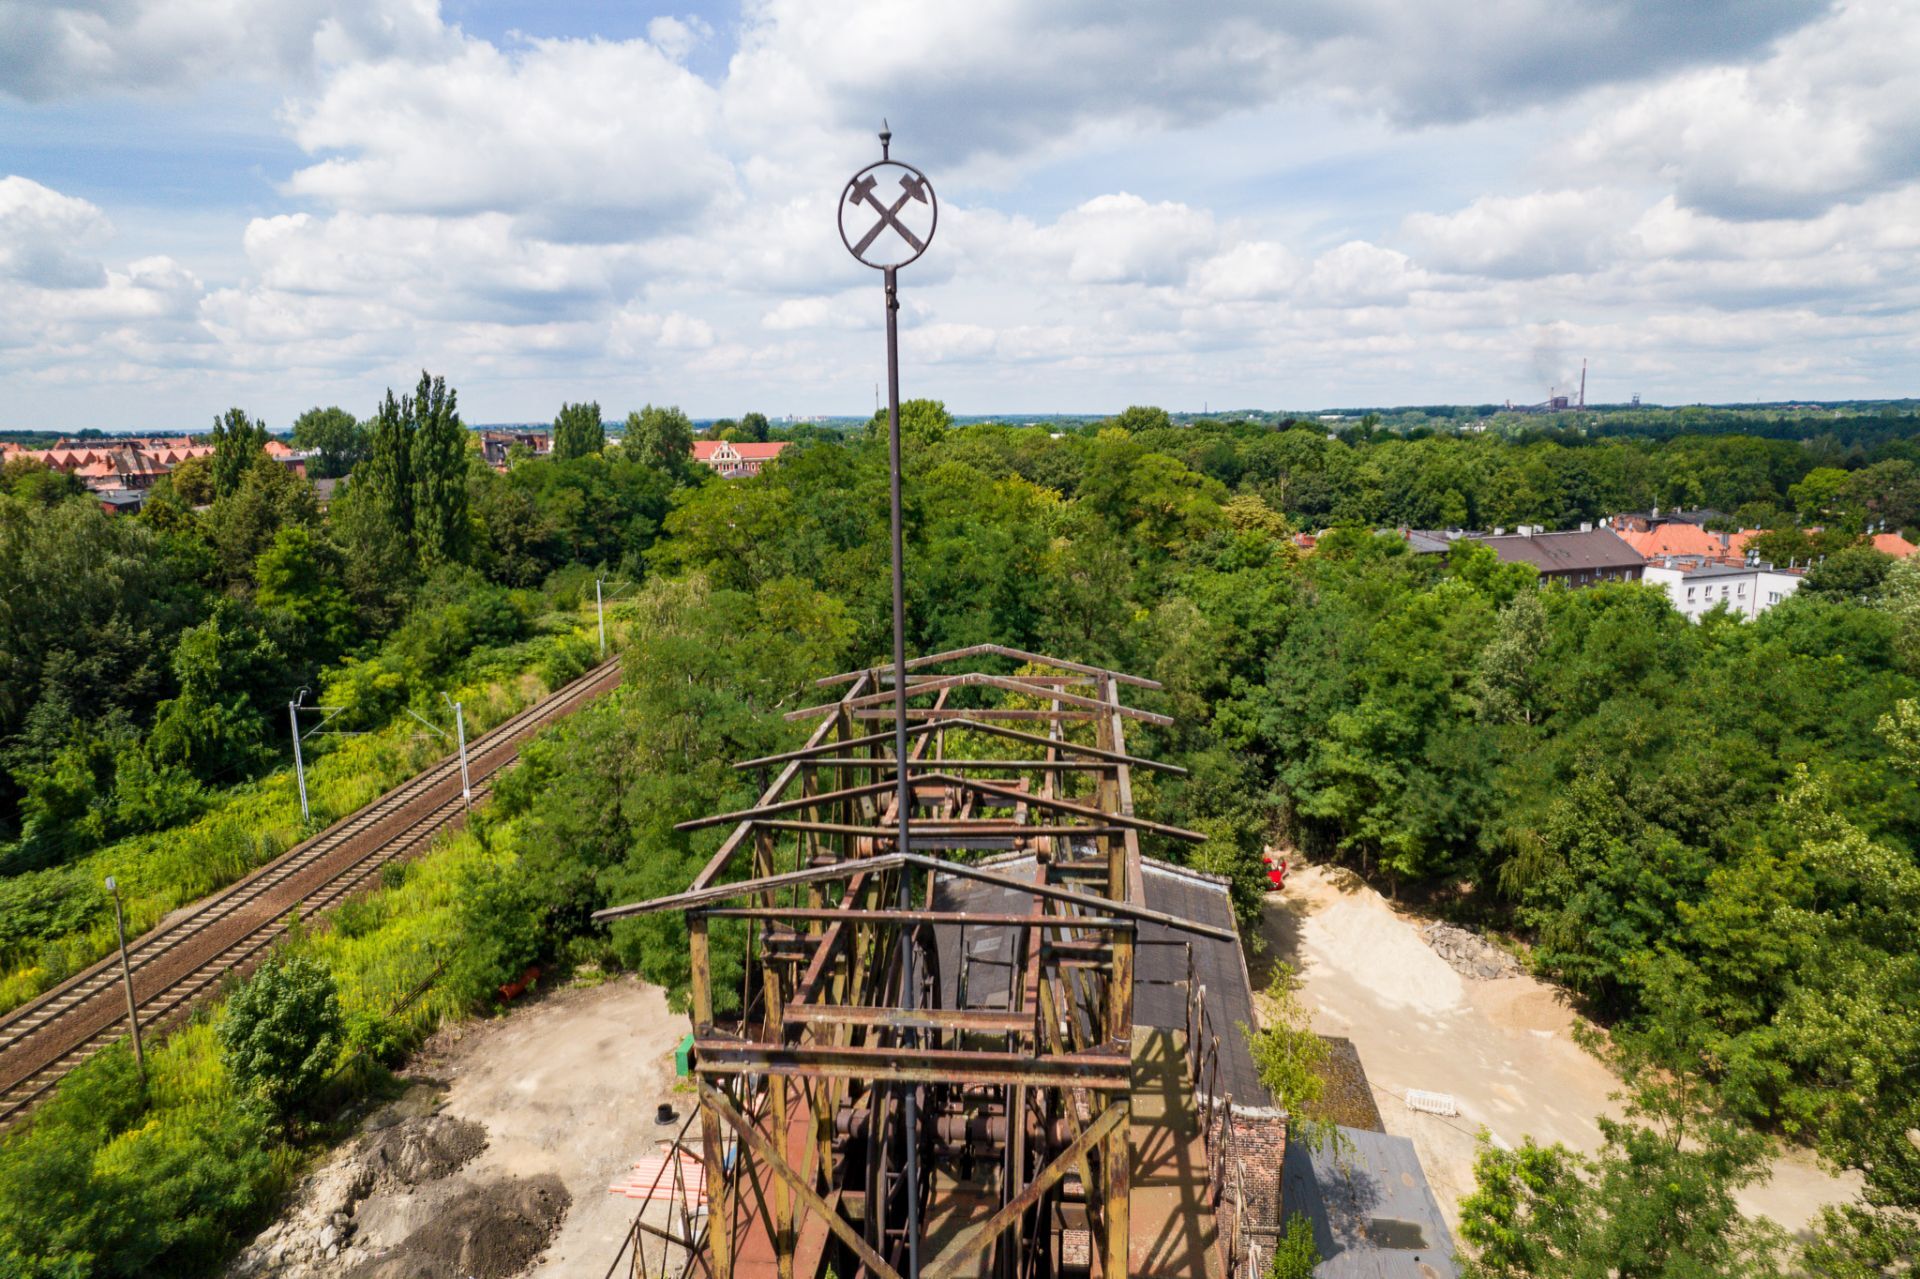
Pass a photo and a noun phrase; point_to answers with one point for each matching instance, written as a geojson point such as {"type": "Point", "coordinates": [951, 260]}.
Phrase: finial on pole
{"type": "Point", "coordinates": [886, 137]}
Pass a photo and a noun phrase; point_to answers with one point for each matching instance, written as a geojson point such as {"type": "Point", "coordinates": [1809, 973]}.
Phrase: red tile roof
{"type": "Point", "coordinates": [1893, 544]}
{"type": "Point", "coordinates": [1688, 540]}
{"type": "Point", "coordinates": [703, 450]}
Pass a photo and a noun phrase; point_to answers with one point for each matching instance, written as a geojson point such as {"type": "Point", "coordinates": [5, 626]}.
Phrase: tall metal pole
{"type": "Point", "coordinates": [460, 727]}
{"type": "Point", "coordinates": [903, 794]}
{"type": "Point", "coordinates": [599, 607]}
{"type": "Point", "coordinates": [299, 764]}
{"type": "Point", "coordinates": [126, 975]}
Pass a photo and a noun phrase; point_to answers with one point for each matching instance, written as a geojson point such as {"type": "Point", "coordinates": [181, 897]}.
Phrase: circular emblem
{"type": "Point", "coordinates": [888, 214]}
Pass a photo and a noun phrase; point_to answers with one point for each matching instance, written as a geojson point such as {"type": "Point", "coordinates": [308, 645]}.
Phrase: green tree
{"type": "Point", "coordinates": [1854, 573]}
{"type": "Point", "coordinates": [754, 427]}
{"type": "Point", "coordinates": [1141, 417]}
{"type": "Point", "coordinates": [237, 441]}
{"type": "Point", "coordinates": [37, 483]}
{"type": "Point", "coordinates": [1506, 678]}
{"type": "Point", "coordinates": [414, 479]}
{"type": "Point", "coordinates": [578, 431]}
{"type": "Point", "coordinates": [661, 437]}
{"type": "Point", "coordinates": [922, 422]}
{"type": "Point", "coordinates": [281, 1031]}
{"type": "Point", "coordinates": [1817, 495]}
{"type": "Point", "coordinates": [1657, 1203]}
{"type": "Point", "coordinates": [1290, 1058]}
{"type": "Point", "coordinates": [337, 439]}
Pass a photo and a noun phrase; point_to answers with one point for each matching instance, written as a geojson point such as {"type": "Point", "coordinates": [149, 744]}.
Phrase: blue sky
{"type": "Point", "coordinates": [282, 203]}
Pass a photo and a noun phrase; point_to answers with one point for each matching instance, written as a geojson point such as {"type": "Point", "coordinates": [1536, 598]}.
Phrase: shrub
{"type": "Point", "coordinates": [1296, 1255]}
{"type": "Point", "coordinates": [282, 1031]}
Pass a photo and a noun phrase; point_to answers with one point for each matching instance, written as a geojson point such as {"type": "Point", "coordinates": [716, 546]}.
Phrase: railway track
{"type": "Point", "coordinates": [182, 960]}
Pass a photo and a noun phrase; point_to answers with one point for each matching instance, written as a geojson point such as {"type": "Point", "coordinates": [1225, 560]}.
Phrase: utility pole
{"type": "Point", "coordinates": [600, 607]}
{"type": "Point", "coordinates": [126, 975]}
{"type": "Point", "coordinates": [460, 729]}
{"type": "Point", "coordinates": [299, 764]}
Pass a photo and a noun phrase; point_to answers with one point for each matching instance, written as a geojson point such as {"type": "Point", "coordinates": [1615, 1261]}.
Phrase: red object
{"type": "Point", "coordinates": [1277, 872]}
{"type": "Point", "coordinates": [514, 989]}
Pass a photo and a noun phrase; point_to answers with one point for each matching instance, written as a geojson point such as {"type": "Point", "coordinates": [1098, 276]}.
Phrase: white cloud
{"type": "Point", "coordinates": [549, 218]}
{"type": "Point", "coordinates": [1544, 233]}
{"type": "Point", "coordinates": [581, 139]}
{"type": "Point", "coordinates": [50, 49]}
{"type": "Point", "coordinates": [1830, 116]}
{"type": "Point", "coordinates": [678, 37]}
{"type": "Point", "coordinates": [42, 233]}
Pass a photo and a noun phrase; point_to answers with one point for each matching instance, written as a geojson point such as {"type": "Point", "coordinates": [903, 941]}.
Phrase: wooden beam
{"type": "Point", "coordinates": [756, 1141]}
{"type": "Point", "coordinates": [995, 730]}
{"type": "Point", "coordinates": [982, 1237]}
{"type": "Point", "coordinates": [996, 650]}
{"type": "Point", "coordinates": [978, 679]}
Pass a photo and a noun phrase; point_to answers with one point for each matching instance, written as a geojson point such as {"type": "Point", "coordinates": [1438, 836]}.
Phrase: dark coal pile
{"type": "Point", "coordinates": [416, 1151]}
{"type": "Point", "coordinates": [491, 1231]}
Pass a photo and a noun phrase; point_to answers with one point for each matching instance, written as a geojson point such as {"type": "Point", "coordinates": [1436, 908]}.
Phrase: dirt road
{"type": "Point", "coordinates": [1503, 1048]}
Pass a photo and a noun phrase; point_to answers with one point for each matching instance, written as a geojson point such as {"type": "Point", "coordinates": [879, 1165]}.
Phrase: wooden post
{"type": "Point", "coordinates": [1119, 1166]}
{"type": "Point", "coordinates": [712, 1137]}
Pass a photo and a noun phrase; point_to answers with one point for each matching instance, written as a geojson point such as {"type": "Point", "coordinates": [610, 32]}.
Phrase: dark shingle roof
{"type": "Point", "coordinates": [1570, 552]}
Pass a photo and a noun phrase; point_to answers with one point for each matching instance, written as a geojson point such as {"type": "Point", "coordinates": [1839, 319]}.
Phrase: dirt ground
{"type": "Point", "coordinates": [1503, 1047]}
{"type": "Point", "coordinates": [563, 1092]}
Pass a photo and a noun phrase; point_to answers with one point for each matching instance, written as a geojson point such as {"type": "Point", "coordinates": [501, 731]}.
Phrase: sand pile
{"type": "Point", "coordinates": [1360, 934]}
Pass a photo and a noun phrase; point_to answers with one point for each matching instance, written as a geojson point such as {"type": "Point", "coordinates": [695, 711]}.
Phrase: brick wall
{"type": "Point", "coordinates": [1259, 1146]}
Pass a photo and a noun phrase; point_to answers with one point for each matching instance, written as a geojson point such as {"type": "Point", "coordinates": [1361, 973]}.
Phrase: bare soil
{"type": "Point", "coordinates": [1503, 1047]}
{"type": "Point", "coordinates": [496, 1162]}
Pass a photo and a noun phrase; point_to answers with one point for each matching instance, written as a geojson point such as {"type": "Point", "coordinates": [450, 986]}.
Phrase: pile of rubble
{"type": "Point", "coordinates": [1470, 954]}
{"type": "Point", "coordinates": [391, 1208]}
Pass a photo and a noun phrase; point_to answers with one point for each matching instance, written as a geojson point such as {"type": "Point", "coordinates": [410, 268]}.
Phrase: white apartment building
{"type": "Point", "coordinates": [1746, 589]}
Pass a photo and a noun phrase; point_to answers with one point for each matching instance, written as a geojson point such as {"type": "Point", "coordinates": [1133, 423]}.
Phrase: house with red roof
{"type": "Point", "coordinates": [736, 458]}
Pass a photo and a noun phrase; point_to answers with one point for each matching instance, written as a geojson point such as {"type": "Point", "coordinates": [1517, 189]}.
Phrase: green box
{"type": "Point", "coordinates": [683, 1057]}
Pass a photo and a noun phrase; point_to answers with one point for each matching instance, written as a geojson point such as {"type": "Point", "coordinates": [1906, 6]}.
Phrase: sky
{"type": "Point", "coordinates": [279, 204]}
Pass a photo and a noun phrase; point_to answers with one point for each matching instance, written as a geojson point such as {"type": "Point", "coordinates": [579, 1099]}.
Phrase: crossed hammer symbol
{"type": "Point", "coordinates": [911, 188]}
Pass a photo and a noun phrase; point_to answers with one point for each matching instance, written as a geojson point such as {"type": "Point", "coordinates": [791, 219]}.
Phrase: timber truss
{"type": "Point", "coordinates": [843, 1024]}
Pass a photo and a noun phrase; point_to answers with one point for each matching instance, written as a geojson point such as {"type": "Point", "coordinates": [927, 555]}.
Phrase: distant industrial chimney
{"type": "Point", "coordinates": [1583, 383]}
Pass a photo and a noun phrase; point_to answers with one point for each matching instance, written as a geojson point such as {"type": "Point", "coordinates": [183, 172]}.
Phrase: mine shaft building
{"type": "Point", "coordinates": [1012, 1049]}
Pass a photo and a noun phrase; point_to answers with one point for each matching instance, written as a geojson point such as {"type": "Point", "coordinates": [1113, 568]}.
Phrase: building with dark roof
{"type": "Point", "coordinates": [1585, 556]}
{"type": "Point", "coordinates": [1166, 964]}
{"type": "Point", "coordinates": [1374, 1215]}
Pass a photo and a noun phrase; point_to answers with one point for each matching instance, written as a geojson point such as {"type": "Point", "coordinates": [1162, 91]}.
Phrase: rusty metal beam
{"type": "Point", "coordinates": [961, 917]}
{"type": "Point", "coordinates": [982, 1020]}
{"type": "Point", "coordinates": [978, 679]}
{"type": "Point", "coordinates": [784, 806]}
{"type": "Point", "coordinates": [981, 1237]}
{"type": "Point", "coordinates": [953, 713]}
{"type": "Point", "coordinates": [1102, 1070]}
{"type": "Point", "coordinates": [1015, 795]}
{"type": "Point", "coordinates": [996, 650]}
{"type": "Point", "coordinates": [996, 730]}
{"type": "Point", "coordinates": [718, 862]}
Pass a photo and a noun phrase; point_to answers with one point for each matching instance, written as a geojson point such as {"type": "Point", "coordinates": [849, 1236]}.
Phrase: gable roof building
{"type": "Point", "coordinates": [1579, 557]}
{"type": "Point", "coordinates": [736, 458]}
